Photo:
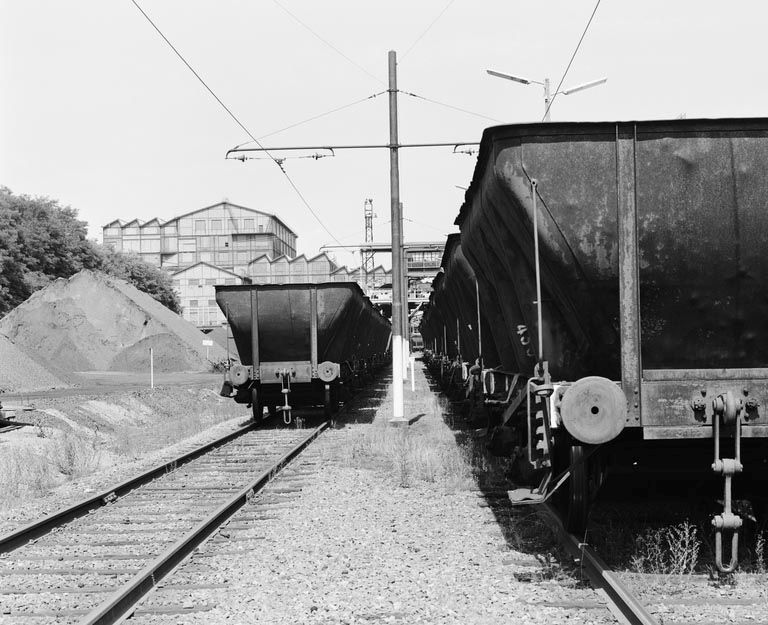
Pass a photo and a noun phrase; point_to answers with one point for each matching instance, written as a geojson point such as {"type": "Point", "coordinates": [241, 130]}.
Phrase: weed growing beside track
{"type": "Point", "coordinates": [78, 437]}
{"type": "Point", "coordinates": [669, 540]}
{"type": "Point", "coordinates": [425, 451]}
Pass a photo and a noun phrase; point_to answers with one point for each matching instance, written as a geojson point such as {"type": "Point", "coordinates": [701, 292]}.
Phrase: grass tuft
{"type": "Point", "coordinates": [671, 550]}
{"type": "Point", "coordinates": [64, 450]}
{"type": "Point", "coordinates": [424, 452]}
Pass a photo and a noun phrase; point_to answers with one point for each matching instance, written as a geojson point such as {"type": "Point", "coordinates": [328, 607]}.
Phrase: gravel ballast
{"type": "Point", "coordinates": [337, 539]}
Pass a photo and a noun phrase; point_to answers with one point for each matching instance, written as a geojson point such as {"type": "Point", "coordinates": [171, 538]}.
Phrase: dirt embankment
{"type": "Point", "coordinates": [86, 442]}
{"type": "Point", "coordinates": [19, 371]}
{"type": "Point", "coordinates": [93, 322]}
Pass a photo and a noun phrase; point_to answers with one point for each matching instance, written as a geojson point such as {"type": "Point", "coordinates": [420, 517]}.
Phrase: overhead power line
{"type": "Point", "coordinates": [450, 106]}
{"type": "Point", "coordinates": [313, 118]}
{"type": "Point", "coordinates": [573, 56]}
{"type": "Point", "coordinates": [236, 120]}
{"type": "Point", "coordinates": [329, 44]}
{"type": "Point", "coordinates": [427, 29]}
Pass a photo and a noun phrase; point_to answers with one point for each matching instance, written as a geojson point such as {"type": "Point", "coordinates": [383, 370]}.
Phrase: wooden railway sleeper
{"type": "Point", "coordinates": [729, 410]}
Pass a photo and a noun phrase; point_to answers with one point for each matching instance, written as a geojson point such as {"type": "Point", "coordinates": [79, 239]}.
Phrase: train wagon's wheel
{"type": "Point", "coordinates": [257, 405]}
{"type": "Point", "coordinates": [578, 492]}
{"type": "Point", "coordinates": [331, 400]}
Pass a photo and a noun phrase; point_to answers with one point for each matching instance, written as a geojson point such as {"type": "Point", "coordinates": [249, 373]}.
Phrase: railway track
{"type": "Point", "coordinates": [93, 562]}
{"type": "Point", "coordinates": [620, 600]}
{"type": "Point", "coordinates": [667, 599]}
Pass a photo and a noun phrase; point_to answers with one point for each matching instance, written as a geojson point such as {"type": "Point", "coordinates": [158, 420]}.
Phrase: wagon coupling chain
{"type": "Point", "coordinates": [541, 383]}
{"type": "Point", "coordinates": [728, 410]}
{"type": "Point", "coordinates": [285, 380]}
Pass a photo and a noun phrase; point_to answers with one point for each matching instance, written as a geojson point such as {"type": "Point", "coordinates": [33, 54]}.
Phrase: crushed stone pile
{"type": "Point", "coordinates": [94, 322]}
{"type": "Point", "coordinates": [20, 373]}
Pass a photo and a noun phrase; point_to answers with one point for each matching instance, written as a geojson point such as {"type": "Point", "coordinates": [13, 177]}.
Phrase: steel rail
{"type": "Point", "coordinates": [123, 602]}
{"type": "Point", "coordinates": [623, 601]}
{"type": "Point", "coordinates": [42, 526]}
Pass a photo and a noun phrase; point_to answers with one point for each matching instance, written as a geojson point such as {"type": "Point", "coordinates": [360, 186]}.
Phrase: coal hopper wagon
{"type": "Point", "coordinates": [622, 272]}
{"type": "Point", "coordinates": [300, 345]}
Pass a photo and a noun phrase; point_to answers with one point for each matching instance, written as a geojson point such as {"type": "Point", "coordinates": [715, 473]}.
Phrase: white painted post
{"type": "Point", "coordinates": [151, 368]}
{"type": "Point", "coordinates": [413, 379]}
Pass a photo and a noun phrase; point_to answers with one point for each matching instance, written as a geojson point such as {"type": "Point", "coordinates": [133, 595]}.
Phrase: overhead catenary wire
{"type": "Point", "coordinates": [450, 106]}
{"type": "Point", "coordinates": [329, 44]}
{"type": "Point", "coordinates": [427, 29]}
{"type": "Point", "coordinates": [573, 56]}
{"type": "Point", "coordinates": [234, 118]}
{"type": "Point", "coordinates": [314, 117]}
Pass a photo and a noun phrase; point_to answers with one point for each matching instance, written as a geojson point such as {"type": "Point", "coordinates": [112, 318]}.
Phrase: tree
{"type": "Point", "coordinates": [142, 275]}
{"type": "Point", "coordinates": [40, 240]}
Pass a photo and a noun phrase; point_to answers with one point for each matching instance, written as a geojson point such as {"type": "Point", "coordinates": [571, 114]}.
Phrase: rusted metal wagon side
{"type": "Point", "coordinates": [300, 344]}
{"type": "Point", "coordinates": [455, 326]}
{"type": "Point", "coordinates": [628, 261]}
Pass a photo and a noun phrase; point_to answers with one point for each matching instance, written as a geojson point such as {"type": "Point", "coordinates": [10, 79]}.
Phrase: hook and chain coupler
{"type": "Point", "coordinates": [540, 388]}
{"type": "Point", "coordinates": [728, 409]}
{"type": "Point", "coordinates": [539, 432]}
{"type": "Point", "coordinates": [285, 380]}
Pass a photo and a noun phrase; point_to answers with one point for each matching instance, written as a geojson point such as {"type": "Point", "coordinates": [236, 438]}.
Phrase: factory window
{"type": "Point", "coordinates": [170, 245]}
{"type": "Point", "coordinates": [150, 230]}
{"type": "Point", "coordinates": [212, 302]}
{"type": "Point", "coordinates": [229, 281]}
{"type": "Point", "coordinates": [131, 245]}
{"type": "Point", "coordinates": [131, 230]}
{"type": "Point", "coordinates": [187, 257]}
{"type": "Point", "coordinates": [248, 225]}
{"type": "Point", "coordinates": [193, 282]}
{"type": "Point", "coordinates": [112, 232]}
{"type": "Point", "coordinates": [150, 245]}
{"type": "Point", "coordinates": [199, 226]}
{"type": "Point", "coordinates": [205, 243]}
{"type": "Point", "coordinates": [206, 257]}
{"type": "Point", "coordinates": [223, 242]}
{"type": "Point", "coordinates": [187, 245]}
{"type": "Point", "coordinates": [210, 281]}
{"type": "Point", "coordinates": [193, 303]}
{"type": "Point", "coordinates": [215, 225]}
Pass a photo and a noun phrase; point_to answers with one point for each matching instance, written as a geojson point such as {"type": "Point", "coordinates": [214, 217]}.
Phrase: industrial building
{"type": "Point", "coordinates": [230, 244]}
{"type": "Point", "coordinates": [225, 235]}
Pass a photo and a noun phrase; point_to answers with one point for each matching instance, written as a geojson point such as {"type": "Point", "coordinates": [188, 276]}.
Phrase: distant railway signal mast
{"type": "Point", "coordinates": [366, 255]}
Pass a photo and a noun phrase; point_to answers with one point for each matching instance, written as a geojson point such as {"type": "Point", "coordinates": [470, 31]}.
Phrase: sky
{"type": "Point", "coordinates": [98, 112]}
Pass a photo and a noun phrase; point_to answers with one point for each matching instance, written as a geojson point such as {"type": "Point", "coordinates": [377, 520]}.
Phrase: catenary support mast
{"type": "Point", "coordinates": [397, 245]}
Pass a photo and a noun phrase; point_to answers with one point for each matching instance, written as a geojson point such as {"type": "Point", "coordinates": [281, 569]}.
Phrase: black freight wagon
{"type": "Point", "coordinates": [628, 262]}
{"type": "Point", "coordinates": [300, 344]}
